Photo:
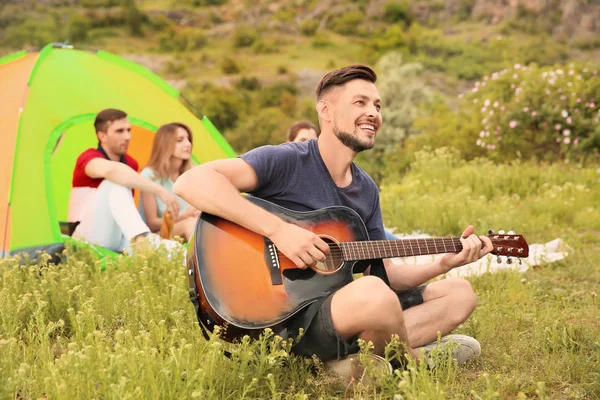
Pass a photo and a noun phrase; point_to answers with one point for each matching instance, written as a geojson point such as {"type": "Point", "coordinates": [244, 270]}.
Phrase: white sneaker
{"type": "Point", "coordinates": [352, 369]}
{"type": "Point", "coordinates": [467, 348]}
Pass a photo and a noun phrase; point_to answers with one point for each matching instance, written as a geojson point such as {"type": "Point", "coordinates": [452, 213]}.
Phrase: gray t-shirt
{"type": "Point", "coordinates": [294, 176]}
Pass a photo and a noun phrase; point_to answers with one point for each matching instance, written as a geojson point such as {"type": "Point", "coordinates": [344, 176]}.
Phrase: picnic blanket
{"type": "Point", "coordinates": [539, 253]}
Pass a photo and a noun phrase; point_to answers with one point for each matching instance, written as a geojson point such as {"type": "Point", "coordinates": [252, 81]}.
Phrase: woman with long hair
{"type": "Point", "coordinates": [170, 157]}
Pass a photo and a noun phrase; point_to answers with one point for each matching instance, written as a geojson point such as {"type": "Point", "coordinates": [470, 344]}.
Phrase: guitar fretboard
{"type": "Point", "coordinates": [368, 250]}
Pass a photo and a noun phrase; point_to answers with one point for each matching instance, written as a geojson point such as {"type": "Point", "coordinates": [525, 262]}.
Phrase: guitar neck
{"type": "Point", "coordinates": [368, 250]}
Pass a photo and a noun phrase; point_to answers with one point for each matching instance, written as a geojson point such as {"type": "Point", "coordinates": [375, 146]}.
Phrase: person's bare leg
{"type": "Point", "coordinates": [369, 308]}
{"type": "Point", "coordinates": [185, 228]}
{"type": "Point", "coordinates": [446, 304]}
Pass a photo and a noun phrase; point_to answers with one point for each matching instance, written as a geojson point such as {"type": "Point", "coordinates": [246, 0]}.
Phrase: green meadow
{"type": "Point", "coordinates": [130, 332]}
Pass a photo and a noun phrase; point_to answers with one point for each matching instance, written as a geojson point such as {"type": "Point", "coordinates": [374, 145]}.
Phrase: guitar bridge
{"type": "Point", "coordinates": [272, 261]}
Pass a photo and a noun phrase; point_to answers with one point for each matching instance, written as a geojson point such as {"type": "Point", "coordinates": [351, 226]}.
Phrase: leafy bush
{"type": "Point", "coordinates": [244, 37]}
{"type": "Point", "coordinates": [465, 9]}
{"type": "Point", "coordinates": [105, 17]}
{"type": "Point", "coordinates": [250, 83]}
{"type": "Point", "coordinates": [79, 25]}
{"type": "Point", "coordinates": [31, 33]}
{"type": "Point", "coordinates": [203, 3]}
{"type": "Point", "coordinates": [309, 27]}
{"type": "Point", "coordinates": [347, 23]}
{"type": "Point", "coordinates": [99, 3]}
{"type": "Point", "coordinates": [391, 39]}
{"type": "Point", "coordinates": [222, 105]}
{"type": "Point", "coordinates": [270, 96]}
{"type": "Point", "coordinates": [267, 126]}
{"type": "Point", "coordinates": [229, 66]}
{"type": "Point", "coordinates": [403, 96]}
{"type": "Point", "coordinates": [548, 113]}
{"type": "Point", "coordinates": [398, 11]}
{"type": "Point", "coordinates": [134, 18]}
{"type": "Point", "coordinates": [181, 40]}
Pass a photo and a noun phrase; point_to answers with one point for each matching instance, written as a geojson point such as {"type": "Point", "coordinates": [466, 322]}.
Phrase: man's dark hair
{"type": "Point", "coordinates": [297, 127]}
{"type": "Point", "coordinates": [105, 117]}
{"type": "Point", "coordinates": [340, 76]}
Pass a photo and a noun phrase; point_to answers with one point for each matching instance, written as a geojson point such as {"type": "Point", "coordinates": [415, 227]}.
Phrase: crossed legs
{"type": "Point", "coordinates": [369, 309]}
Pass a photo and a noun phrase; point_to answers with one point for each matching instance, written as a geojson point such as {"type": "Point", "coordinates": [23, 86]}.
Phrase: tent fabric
{"type": "Point", "coordinates": [49, 102]}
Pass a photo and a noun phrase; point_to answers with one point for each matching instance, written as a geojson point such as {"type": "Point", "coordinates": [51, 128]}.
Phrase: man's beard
{"type": "Point", "coordinates": [119, 151]}
{"type": "Point", "coordinates": [351, 140]}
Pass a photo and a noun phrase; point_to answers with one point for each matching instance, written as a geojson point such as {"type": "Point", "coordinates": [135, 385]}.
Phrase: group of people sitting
{"type": "Point", "coordinates": [314, 172]}
{"type": "Point", "coordinates": [102, 204]}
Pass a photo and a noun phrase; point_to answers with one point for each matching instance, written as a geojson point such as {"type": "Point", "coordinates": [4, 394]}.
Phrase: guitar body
{"type": "Point", "coordinates": [239, 281]}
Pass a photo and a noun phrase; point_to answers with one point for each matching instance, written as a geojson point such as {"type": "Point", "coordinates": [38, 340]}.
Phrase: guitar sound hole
{"type": "Point", "coordinates": [334, 259]}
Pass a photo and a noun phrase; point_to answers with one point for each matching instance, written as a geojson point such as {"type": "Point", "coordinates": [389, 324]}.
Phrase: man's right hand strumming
{"type": "Point", "coordinates": [301, 246]}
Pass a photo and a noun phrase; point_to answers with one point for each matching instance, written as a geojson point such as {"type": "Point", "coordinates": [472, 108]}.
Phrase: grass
{"type": "Point", "coordinates": [72, 331]}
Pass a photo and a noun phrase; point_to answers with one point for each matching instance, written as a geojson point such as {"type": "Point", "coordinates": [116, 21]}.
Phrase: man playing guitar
{"type": "Point", "coordinates": [321, 173]}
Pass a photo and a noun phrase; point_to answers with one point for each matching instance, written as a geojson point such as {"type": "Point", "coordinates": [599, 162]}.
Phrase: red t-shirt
{"type": "Point", "coordinates": [80, 179]}
{"type": "Point", "coordinates": [84, 187]}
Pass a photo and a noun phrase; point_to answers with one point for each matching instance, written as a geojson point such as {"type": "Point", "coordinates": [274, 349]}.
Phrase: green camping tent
{"type": "Point", "coordinates": [49, 101]}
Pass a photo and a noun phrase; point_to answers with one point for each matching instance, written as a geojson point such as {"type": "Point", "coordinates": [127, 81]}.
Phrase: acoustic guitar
{"type": "Point", "coordinates": [239, 280]}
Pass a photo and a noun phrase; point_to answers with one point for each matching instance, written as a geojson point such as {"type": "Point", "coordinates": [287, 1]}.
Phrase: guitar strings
{"type": "Point", "coordinates": [430, 245]}
{"type": "Point", "coordinates": [380, 245]}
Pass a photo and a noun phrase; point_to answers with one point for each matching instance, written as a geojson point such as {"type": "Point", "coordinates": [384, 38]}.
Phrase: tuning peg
{"type": "Point", "coordinates": [498, 260]}
{"type": "Point", "coordinates": [501, 232]}
{"type": "Point", "coordinates": [520, 261]}
{"type": "Point", "coordinates": [509, 260]}
{"type": "Point", "coordinates": [511, 232]}
{"type": "Point", "coordinates": [490, 231]}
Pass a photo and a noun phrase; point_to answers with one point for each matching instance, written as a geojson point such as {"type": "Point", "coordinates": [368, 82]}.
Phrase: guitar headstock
{"type": "Point", "coordinates": [509, 244]}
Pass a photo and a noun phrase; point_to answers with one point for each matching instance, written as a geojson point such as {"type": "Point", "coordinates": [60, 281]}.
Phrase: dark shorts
{"type": "Point", "coordinates": [322, 340]}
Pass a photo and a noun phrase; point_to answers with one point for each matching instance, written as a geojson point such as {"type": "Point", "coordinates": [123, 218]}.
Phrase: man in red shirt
{"type": "Point", "coordinates": [103, 179]}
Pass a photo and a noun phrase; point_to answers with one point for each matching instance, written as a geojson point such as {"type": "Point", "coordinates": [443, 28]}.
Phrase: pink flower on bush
{"type": "Point", "coordinates": [569, 120]}
{"type": "Point", "coordinates": [533, 113]}
{"type": "Point", "coordinates": [567, 140]}
{"type": "Point", "coordinates": [564, 113]}
{"type": "Point", "coordinates": [566, 132]}
{"type": "Point", "coordinates": [557, 127]}
{"type": "Point", "coordinates": [513, 124]}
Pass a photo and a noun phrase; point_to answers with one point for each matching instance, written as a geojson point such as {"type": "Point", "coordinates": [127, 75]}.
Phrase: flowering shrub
{"type": "Point", "coordinates": [547, 113]}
